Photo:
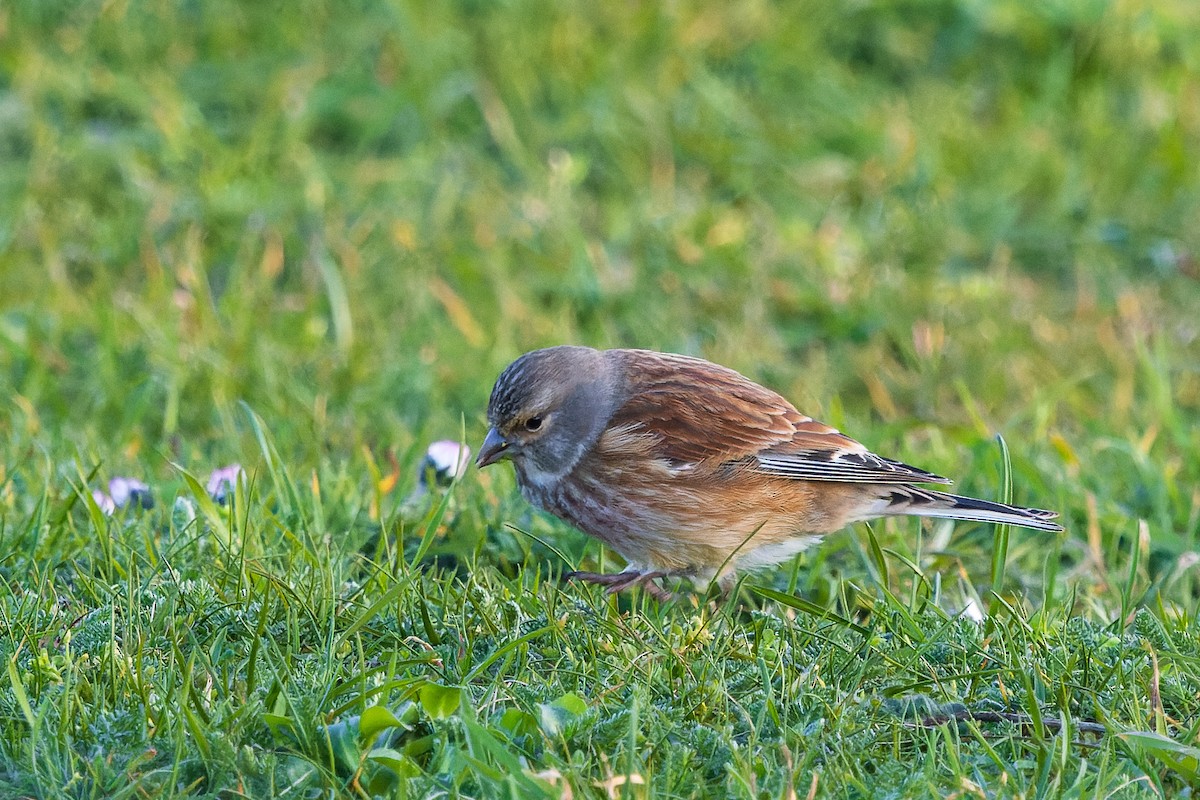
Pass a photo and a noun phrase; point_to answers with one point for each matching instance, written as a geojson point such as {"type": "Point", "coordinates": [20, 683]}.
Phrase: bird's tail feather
{"type": "Point", "coordinates": [917, 502]}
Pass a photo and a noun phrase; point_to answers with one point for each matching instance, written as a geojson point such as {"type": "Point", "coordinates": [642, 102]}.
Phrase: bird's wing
{"type": "Point", "coordinates": [798, 460]}
{"type": "Point", "coordinates": [700, 412]}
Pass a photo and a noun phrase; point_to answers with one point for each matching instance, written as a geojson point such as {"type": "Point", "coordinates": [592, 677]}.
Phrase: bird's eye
{"type": "Point", "coordinates": [533, 423]}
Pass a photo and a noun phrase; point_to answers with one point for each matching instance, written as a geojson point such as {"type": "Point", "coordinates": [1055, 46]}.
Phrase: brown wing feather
{"type": "Point", "coordinates": [703, 413]}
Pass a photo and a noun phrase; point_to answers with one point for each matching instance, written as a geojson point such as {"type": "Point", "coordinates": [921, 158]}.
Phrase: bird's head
{"type": "Point", "coordinates": [548, 408]}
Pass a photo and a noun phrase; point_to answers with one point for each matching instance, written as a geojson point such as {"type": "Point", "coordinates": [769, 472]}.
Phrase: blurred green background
{"type": "Point", "coordinates": [924, 222]}
{"type": "Point", "coordinates": [352, 215]}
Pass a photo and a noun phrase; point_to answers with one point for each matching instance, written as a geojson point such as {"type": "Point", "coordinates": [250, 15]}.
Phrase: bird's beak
{"type": "Point", "coordinates": [492, 450]}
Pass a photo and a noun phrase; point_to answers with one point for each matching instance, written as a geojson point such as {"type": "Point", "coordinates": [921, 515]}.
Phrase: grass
{"type": "Point", "coordinates": [308, 241]}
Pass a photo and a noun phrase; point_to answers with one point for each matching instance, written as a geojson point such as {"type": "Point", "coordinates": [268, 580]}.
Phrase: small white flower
{"type": "Point", "coordinates": [107, 506]}
{"type": "Point", "coordinates": [973, 612]}
{"type": "Point", "coordinates": [446, 459]}
{"type": "Point", "coordinates": [223, 482]}
{"type": "Point", "coordinates": [124, 491]}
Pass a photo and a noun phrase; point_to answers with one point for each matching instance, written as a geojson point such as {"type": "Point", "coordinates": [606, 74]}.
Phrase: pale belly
{"type": "Point", "coordinates": [666, 522]}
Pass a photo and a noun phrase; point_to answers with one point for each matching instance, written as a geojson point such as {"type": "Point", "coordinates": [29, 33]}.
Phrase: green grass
{"type": "Point", "coordinates": [308, 241]}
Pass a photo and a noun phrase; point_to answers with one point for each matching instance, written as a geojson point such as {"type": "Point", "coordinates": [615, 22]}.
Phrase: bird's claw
{"type": "Point", "coordinates": [620, 581]}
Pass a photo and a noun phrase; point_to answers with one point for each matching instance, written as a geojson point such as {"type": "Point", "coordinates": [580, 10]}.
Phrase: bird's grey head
{"type": "Point", "coordinates": [548, 408]}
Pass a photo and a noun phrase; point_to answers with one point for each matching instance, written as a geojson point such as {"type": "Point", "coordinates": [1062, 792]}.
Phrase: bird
{"type": "Point", "coordinates": [691, 470]}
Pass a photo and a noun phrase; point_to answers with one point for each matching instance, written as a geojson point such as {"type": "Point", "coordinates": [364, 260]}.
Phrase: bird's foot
{"type": "Point", "coordinates": [620, 581]}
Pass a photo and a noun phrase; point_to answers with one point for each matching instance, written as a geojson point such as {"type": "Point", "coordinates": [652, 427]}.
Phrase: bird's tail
{"type": "Point", "coordinates": [914, 501]}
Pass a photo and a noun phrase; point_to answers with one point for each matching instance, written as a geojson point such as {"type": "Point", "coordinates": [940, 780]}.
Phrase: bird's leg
{"type": "Point", "coordinates": [620, 581]}
{"type": "Point", "coordinates": [653, 589]}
